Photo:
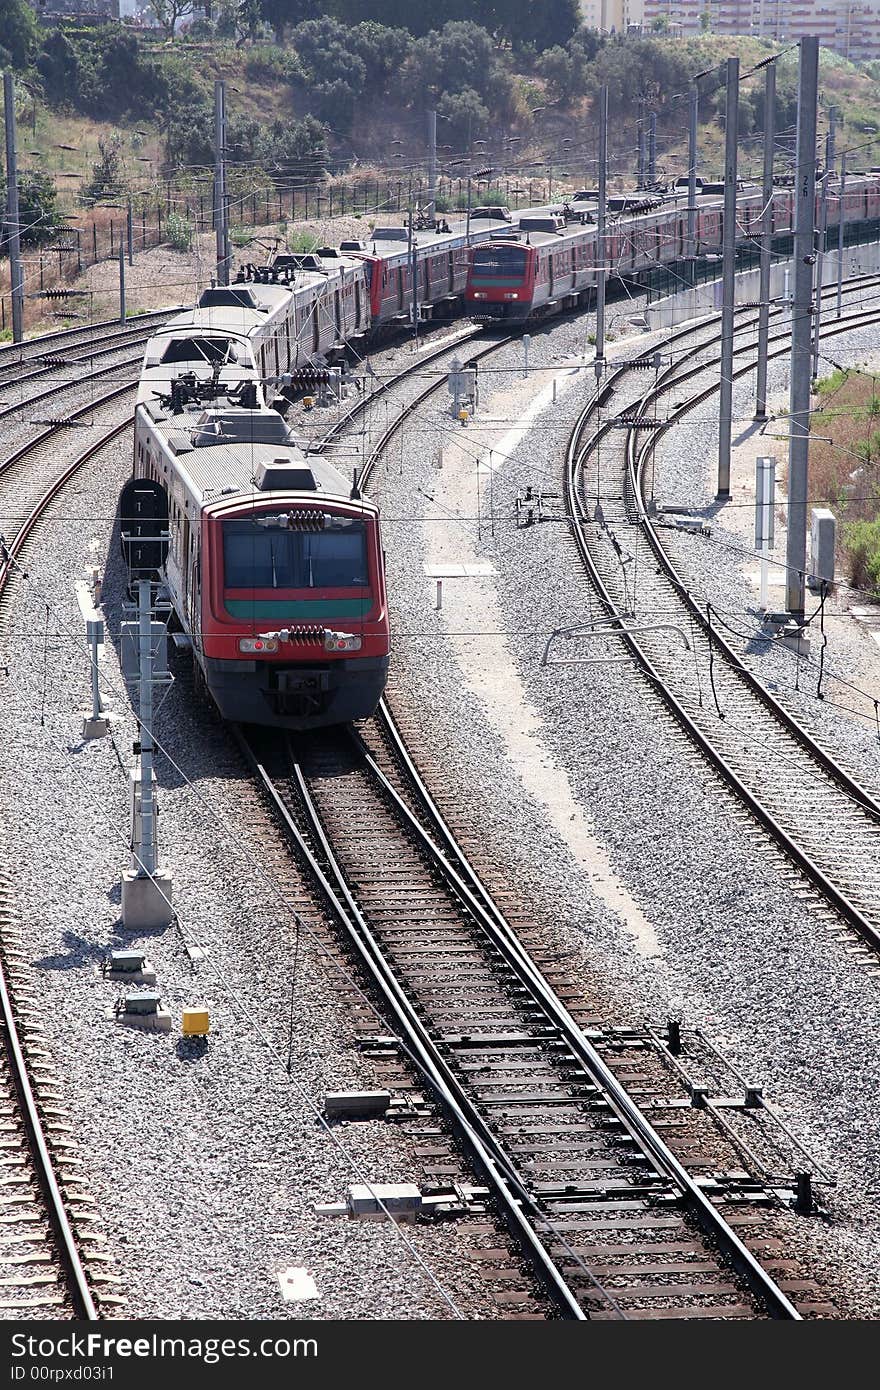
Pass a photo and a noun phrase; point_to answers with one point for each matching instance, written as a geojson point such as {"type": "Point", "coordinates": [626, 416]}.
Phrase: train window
{"type": "Point", "coordinates": [498, 265]}
{"type": "Point", "coordinates": [198, 349]}
{"type": "Point", "coordinates": [255, 557]}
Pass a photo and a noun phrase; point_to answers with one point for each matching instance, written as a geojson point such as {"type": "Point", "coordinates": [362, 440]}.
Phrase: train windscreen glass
{"type": "Point", "coordinates": [257, 558]}
{"type": "Point", "coordinates": [498, 265]}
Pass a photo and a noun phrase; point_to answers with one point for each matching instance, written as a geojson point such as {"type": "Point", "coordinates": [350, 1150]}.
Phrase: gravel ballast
{"type": "Point", "coordinates": [207, 1160]}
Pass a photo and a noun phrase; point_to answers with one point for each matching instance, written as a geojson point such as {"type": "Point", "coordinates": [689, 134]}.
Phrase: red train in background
{"type": "Point", "coordinates": [547, 261]}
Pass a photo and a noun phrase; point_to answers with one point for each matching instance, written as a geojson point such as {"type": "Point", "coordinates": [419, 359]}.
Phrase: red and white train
{"type": "Point", "coordinates": [547, 261]}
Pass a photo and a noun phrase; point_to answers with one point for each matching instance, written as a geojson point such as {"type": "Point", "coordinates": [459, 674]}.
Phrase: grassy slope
{"type": "Point", "coordinates": [261, 97]}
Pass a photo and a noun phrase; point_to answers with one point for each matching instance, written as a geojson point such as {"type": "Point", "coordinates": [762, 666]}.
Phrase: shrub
{"type": "Point", "coordinates": [179, 232]}
{"type": "Point", "coordinates": [862, 541]}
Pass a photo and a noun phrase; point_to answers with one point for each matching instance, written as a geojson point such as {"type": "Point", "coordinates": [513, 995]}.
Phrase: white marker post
{"type": "Point", "coordinates": [765, 501]}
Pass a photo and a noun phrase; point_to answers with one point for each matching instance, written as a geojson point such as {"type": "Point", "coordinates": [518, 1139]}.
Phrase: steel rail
{"type": "Point", "coordinates": [78, 1283]}
{"type": "Point", "coordinates": [492, 920]}
{"type": "Point", "coordinates": [57, 334]}
{"type": "Point", "coordinates": [465, 1117]}
{"type": "Point", "coordinates": [575, 458]}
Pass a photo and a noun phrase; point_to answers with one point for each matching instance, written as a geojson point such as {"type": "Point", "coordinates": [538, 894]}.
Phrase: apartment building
{"type": "Point", "coordinates": [849, 27]}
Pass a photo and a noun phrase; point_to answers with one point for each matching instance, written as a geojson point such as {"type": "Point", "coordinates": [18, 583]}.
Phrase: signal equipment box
{"type": "Point", "coordinates": [823, 541]}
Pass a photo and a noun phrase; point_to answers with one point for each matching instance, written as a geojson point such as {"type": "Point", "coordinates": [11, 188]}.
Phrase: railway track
{"type": "Point", "coordinates": [607, 1158]}
{"type": "Point", "coordinates": [589, 1185]}
{"type": "Point", "coordinates": [815, 810]}
{"type": "Point", "coordinates": [54, 1258]}
{"type": "Point", "coordinates": [611, 1217]}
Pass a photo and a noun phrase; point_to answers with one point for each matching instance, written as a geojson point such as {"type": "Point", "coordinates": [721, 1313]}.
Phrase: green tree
{"type": "Point", "coordinates": [287, 14]}
{"type": "Point", "coordinates": [59, 66]}
{"type": "Point", "coordinates": [37, 208]}
{"type": "Point", "coordinates": [108, 175]}
{"type": "Point", "coordinates": [465, 113]}
{"type": "Point", "coordinates": [19, 33]}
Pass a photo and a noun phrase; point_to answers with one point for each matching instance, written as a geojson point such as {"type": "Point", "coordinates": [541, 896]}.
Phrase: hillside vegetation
{"type": "Point", "coordinates": [110, 111]}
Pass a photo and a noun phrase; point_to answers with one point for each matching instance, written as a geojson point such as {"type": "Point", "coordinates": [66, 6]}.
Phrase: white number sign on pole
{"type": "Point", "coordinates": [765, 501]}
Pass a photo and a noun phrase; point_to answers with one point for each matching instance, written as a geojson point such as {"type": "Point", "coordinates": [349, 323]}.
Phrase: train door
{"type": "Point", "coordinates": [450, 259]}
{"type": "Point", "coordinates": [550, 273]}
{"type": "Point", "coordinates": [337, 312]}
{"type": "Point", "coordinates": [316, 330]}
{"type": "Point", "coordinates": [357, 304]}
{"type": "Point", "coordinates": [400, 289]}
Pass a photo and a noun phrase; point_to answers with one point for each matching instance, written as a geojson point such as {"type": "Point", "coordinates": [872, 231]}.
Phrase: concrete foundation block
{"type": "Point", "coordinates": [402, 1201]}
{"type": "Point", "coordinates": [158, 1022]}
{"type": "Point", "coordinates": [356, 1105]}
{"type": "Point", "coordinates": [95, 727]}
{"type": "Point", "coordinates": [146, 902]}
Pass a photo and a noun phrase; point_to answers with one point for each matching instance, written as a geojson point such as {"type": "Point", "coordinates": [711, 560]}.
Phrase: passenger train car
{"type": "Point", "coordinates": [547, 262]}
{"type": "Point", "coordinates": [272, 561]}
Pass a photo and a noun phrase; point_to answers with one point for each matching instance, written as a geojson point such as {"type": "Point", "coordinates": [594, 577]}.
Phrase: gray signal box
{"type": "Point", "coordinates": [823, 542]}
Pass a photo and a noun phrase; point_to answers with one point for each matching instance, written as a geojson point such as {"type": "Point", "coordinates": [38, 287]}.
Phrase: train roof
{"type": "Point", "coordinates": [224, 453]}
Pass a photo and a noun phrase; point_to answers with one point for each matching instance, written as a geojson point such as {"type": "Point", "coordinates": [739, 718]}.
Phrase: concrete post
{"type": "Point", "coordinates": [13, 226]}
{"type": "Point", "coordinates": [841, 222]}
{"type": "Point", "coordinates": [220, 205]}
{"type": "Point", "coordinates": [766, 240]}
{"type": "Point", "coordinates": [601, 249]}
{"type": "Point", "coordinates": [799, 395]}
{"type": "Point", "coordinates": [432, 165]}
{"type": "Point", "coordinates": [728, 278]}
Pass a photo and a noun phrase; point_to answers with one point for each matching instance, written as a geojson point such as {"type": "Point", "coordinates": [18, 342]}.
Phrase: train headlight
{"type": "Point", "coordinates": [252, 645]}
{"type": "Point", "coordinates": [480, 294]}
{"type": "Point", "coordinates": [341, 642]}
{"type": "Point", "coordinates": [511, 294]}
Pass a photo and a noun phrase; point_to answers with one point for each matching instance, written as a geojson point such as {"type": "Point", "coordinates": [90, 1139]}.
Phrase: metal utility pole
{"type": "Point", "coordinates": [692, 179]}
{"type": "Point", "coordinates": [841, 218]}
{"type": "Point", "coordinates": [121, 283]}
{"type": "Point", "coordinates": [432, 166]}
{"type": "Point", "coordinates": [13, 228]}
{"type": "Point", "coordinates": [467, 229]}
{"type": "Point", "coordinates": [640, 177]}
{"type": "Point", "coordinates": [129, 233]}
{"type": "Point", "coordinates": [799, 395]}
{"type": "Point", "coordinates": [145, 665]}
{"type": "Point", "coordinates": [728, 278]}
{"type": "Point", "coordinates": [600, 233]}
{"type": "Point", "coordinates": [652, 147]}
{"type": "Point", "coordinates": [766, 240]}
{"type": "Point", "coordinates": [823, 238]}
{"type": "Point", "coordinates": [414, 277]}
{"type": "Point", "coordinates": [220, 207]}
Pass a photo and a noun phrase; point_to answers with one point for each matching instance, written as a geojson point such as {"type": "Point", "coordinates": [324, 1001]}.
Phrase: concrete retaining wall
{"type": "Point", "coordinates": [704, 299]}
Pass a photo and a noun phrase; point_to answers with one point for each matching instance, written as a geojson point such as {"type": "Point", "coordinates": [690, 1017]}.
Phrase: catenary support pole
{"type": "Point", "coordinates": [728, 278]}
{"type": "Point", "coordinates": [220, 204]}
{"type": "Point", "coordinates": [692, 179]}
{"type": "Point", "coordinates": [432, 167]}
{"type": "Point", "coordinates": [601, 248]}
{"type": "Point", "coordinates": [640, 176]}
{"type": "Point", "coordinates": [841, 224]}
{"type": "Point", "coordinates": [121, 283]}
{"type": "Point", "coordinates": [801, 323]}
{"type": "Point", "coordinates": [145, 671]}
{"type": "Point", "coordinates": [821, 244]}
{"type": "Point", "coordinates": [766, 240]}
{"type": "Point", "coordinates": [129, 233]}
{"type": "Point", "coordinates": [652, 147]}
{"type": "Point", "coordinates": [13, 228]}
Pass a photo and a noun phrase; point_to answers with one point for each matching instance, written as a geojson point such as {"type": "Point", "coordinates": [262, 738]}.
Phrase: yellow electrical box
{"type": "Point", "coordinates": [195, 1022]}
{"type": "Point", "coordinates": [308, 402]}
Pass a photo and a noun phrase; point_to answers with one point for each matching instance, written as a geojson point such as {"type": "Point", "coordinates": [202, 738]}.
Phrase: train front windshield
{"type": "Point", "coordinates": [498, 266]}
{"type": "Point", "coordinates": [258, 558]}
